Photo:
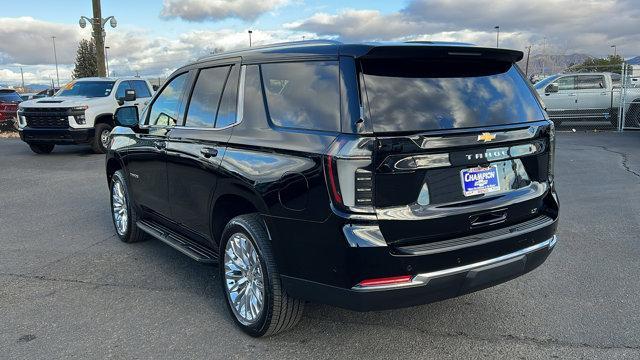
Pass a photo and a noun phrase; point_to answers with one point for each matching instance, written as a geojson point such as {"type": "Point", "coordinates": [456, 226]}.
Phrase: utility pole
{"type": "Point", "coordinates": [55, 57]}
{"type": "Point", "coordinates": [97, 37]}
{"type": "Point", "coordinates": [22, 75]}
{"type": "Point", "coordinates": [497, 27]}
{"type": "Point", "coordinates": [526, 66]}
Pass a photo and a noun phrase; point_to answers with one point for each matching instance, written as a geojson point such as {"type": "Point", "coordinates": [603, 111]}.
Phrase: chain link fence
{"type": "Point", "coordinates": [593, 98]}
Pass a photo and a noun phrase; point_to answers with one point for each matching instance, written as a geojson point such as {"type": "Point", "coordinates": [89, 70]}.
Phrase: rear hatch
{"type": "Point", "coordinates": [9, 101]}
{"type": "Point", "coordinates": [462, 146]}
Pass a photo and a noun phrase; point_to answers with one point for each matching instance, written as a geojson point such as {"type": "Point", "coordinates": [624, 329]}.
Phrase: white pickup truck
{"type": "Point", "coordinates": [80, 113]}
{"type": "Point", "coordinates": [588, 97]}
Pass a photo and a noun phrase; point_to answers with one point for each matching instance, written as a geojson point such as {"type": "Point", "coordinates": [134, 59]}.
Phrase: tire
{"type": "Point", "coordinates": [632, 116]}
{"type": "Point", "coordinates": [98, 145]}
{"type": "Point", "coordinates": [128, 233]}
{"type": "Point", "coordinates": [42, 148]}
{"type": "Point", "coordinates": [279, 311]}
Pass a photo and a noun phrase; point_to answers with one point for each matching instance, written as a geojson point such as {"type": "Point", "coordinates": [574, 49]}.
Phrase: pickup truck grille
{"type": "Point", "coordinates": [47, 117]}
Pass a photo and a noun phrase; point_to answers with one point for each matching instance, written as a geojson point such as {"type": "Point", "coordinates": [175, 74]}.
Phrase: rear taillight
{"type": "Point", "coordinates": [349, 174]}
{"type": "Point", "coordinates": [552, 151]}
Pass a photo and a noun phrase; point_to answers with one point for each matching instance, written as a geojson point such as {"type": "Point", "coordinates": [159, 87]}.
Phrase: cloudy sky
{"type": "Point", "coordinates": [155, 36]}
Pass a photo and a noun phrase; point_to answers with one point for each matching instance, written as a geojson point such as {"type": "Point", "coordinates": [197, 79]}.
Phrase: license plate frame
{"type": "Point", "coordinates": [485, 181]}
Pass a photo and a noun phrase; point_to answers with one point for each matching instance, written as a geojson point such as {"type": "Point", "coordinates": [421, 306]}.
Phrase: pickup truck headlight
{"type": "Point", "coordinates": [80, 119]}
{"type": "Point", "coordinates": [78, 114]}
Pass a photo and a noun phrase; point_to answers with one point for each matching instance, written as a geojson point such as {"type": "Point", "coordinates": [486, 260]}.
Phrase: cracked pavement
{"type": "Point", "coordinates": [69, 288]}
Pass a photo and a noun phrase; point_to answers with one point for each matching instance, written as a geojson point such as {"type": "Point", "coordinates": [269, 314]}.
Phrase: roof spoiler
{"type": "Point", "coordinates": [441, 52]}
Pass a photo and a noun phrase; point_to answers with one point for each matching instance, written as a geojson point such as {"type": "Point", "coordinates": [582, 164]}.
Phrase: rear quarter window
{"type": "Point", "coordinates": [303, 95]}
{"type": "Point", "coordinates": [420, 95]}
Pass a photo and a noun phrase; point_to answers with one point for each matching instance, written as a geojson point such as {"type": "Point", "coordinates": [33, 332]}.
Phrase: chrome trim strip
{"type": "Point", "coordinates": [467, 139]}
{"type": "Point", "coordinates": [424, 278]}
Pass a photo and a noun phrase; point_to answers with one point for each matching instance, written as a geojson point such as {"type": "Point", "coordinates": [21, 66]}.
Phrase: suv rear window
{"type": "Point", "coordinates": [421, 95]}
{"type": "Point", "coordinates": [9, 96]}
{"type": "Point", "coordinates": [303, 95]}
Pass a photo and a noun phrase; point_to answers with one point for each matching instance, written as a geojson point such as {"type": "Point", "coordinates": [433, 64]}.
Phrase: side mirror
{"type": "Point", "coordinates": [552, 88]}
{"type": "Point", "coordinates": [129, 95]}
{"type": "Point", "coordinates": [126, 116]}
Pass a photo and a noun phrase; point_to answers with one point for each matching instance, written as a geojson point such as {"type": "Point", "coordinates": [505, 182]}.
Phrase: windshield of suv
{"type": "Point", "coordinates": [9, 96]}
{"type": "Point", "coordinates": [420, 95]}
{"type": "Point", "coordinates": [87, 88]}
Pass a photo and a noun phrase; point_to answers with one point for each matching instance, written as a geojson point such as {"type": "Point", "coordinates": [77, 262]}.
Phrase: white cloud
{"type": "Point", "coordinates": [589, 26]}
{"type": "Point", "coordinates": [202, 10]}
{"type": "Point", "coordinates": [26, 40]}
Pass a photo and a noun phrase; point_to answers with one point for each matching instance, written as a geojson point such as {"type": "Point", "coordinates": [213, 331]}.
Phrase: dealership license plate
{"type": "Point", "coordinates": [479, 180]}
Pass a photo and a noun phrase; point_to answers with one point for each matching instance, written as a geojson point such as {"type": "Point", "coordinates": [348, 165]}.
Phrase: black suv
{"type": "Point", "coordinates": [365, 176]}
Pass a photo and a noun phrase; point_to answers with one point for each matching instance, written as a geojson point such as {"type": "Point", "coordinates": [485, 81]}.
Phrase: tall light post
{"type": "Point", "coordinates": [55, 57]}
{"type": "Point", "coordinates": [106, 58]}
{"type": "Point", "coordinates": [250, 32]}
{"type": "Point", "coordinates": [526, 67]}
{"type": "Point", "coordinates": [497, 27]}
{"type": "Point", "coordinates": [98, 23]}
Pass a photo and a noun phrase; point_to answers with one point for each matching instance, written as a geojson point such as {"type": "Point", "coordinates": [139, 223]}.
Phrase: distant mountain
{"type": "Point", "coordinates": [634, 61]}
{"type": "Point", "coordinates": [551, 64]}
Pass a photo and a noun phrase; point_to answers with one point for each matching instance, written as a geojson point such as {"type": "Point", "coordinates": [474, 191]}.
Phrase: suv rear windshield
{"type": "Point", "coordinates": [421, 95]}
{"type": "Point", "coordinates": [87, 88]}
{"type": "Point", "coordinates": [9, 96]}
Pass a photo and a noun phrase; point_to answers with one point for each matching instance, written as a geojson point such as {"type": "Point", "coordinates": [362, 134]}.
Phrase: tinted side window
{"type": "Point", "coordinates": [141, 88]}
{"type": "Point", "coordinates": [228, 104]}
{"type": "Point", "coordinates": [203, 105]}
{"type": "Point", "coordinates": [590, 82]}
{"type": "Point", "coordinates": [164, 110]}
{"type": "Point", "coordinates": [303, 95]}
{"type": "Point", "coordinates": [567, 83]}
{"type": "Point", "coordinates": [253, 106]}
{"type": "Point", "coordinates": [121, 89]}
{"type": "Point", "coordinates": [616, 79]}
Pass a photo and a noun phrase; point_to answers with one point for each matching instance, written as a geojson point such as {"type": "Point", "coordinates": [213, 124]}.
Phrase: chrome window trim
{"type": "Point", "coordinates": [239, 107]}
{"type": "Point", "coordinates": [423, 278]}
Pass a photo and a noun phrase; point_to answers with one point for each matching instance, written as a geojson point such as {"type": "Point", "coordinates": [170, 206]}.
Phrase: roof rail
{"type": "Point", "coordinates": [275, 45]}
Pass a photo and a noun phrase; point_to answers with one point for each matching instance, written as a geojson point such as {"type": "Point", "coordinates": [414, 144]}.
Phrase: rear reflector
{"type": "Point", "coordinates": [386, 281]}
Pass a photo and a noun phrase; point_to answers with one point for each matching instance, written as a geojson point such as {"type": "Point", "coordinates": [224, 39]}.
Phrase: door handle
{"type": "Point", "coordinates": [209, 152]}
{"type": "Point", "coordinates": [160, 145]}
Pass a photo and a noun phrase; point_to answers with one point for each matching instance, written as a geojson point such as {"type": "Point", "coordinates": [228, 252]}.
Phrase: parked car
{"type": "Point", "coordinates": [588, 96]}
{"type": "Point", "coordinates": [39, 94]}
{"type": "Point", "coordinates": [9, 100]}
{"type": "Point", "coordinates": [365, 176]}
{"type": "Point", "coordinates": [80, 113]}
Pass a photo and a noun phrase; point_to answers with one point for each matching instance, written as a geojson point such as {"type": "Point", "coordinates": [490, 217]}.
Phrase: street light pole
{"type": "Point", "coordinates": [97, 37]}
{"type": "Point", "coordinates": [250, 32]}
{"type": "Point", "coordinates": [497, 27]}
{"type": "Point", "coordinates": [106, 58]}
{"type": "Point", "coordinates": [526, 67]}
{"type": "Point", "coordinates": [98, 23]}
{"type": "Point", "coordinates": [55, 57]}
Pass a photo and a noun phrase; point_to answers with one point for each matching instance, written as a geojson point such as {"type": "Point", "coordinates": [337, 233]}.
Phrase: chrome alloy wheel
{"type": "Point", "coordinates": [243, 279]}
{"type": "Point", "coordinates": [119, 207]}
{"type": "Point", "coordinates": [104, 138]}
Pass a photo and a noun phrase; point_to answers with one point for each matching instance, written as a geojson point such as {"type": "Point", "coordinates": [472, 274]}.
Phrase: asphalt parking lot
{"type": "Point", "coordinates": [69, 288]}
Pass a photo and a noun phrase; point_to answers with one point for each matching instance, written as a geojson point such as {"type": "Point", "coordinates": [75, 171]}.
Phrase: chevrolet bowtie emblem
{"type": "Point", "coordinates": [486, 137]}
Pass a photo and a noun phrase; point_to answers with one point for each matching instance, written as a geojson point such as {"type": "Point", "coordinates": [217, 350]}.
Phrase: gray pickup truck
{"type": "Point", "coordinates": [588, 97]}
